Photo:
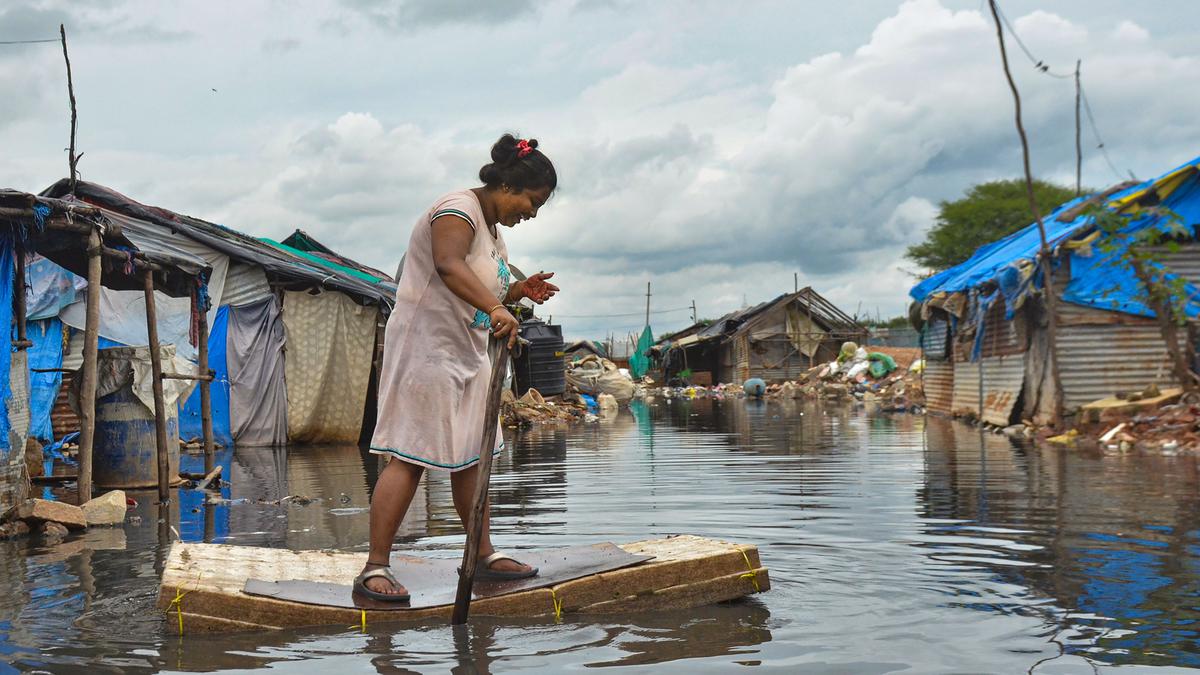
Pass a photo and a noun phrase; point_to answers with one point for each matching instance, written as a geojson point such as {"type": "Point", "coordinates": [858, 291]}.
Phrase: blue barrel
{"type": "Point", "coordinates": [754, 387]}
{"type": "Point", "coordinates": [125, 451]}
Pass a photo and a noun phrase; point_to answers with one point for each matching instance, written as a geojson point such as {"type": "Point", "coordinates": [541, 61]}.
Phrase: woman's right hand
{"type": "Point", "coordinates": [504, 324]}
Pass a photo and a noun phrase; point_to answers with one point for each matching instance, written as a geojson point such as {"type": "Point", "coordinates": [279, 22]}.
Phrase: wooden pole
{"type": "Point", "coordinates": [1044, 253]}
{"type": "Point", "coordinates": [1079, 147]}
{"type": "Point", "coordinates": [466, 577]}
{"type": "Point", "coordinates": [694, 319]}
{"type": "Point", "coordinates": [206, 422]}
{"type": "Point", "coordinates": [72, 159]}
{"type": "Point", "coordinates": [19, 296]}
{"type": "Point", "coordinates": [160, 406]}
{"type": "Point", "coordinates": [87, 385]}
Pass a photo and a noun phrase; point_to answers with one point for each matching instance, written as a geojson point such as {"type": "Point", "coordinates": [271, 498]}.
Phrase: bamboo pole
{"type": "Point", "coordinates": [87, 386]}
{"type": "Point", "coordinates": [160, 406]}
{"type": "Point", "coordinates": [206, 422]}
{"type": "Point", "coordinates": [466, 577]}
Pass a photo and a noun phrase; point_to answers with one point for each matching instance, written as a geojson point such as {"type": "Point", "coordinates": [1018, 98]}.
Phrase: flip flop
{"type": "Point", "coordinates": [360, 586]}
{"type": "Point", "coordinates": [486, 572]}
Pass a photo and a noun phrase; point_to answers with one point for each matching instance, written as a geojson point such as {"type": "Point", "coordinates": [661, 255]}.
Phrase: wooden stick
{"type": "Point", "coordinates": [208, 478]}
{"type": "Point", "coordinates": [491, 415]}
{"type": "Point", "coordinates": [160, 406]}
{"type": "Point", "coordinates": [72, 159]}
{"type": "Point", "coordinates": [185, 376]}
{"type": "Point", "coordinates": [22, 341]}
{"type": "Point", "coordinates": [206, 422]}
{"type": "Point", "coordinates": [87, 386]}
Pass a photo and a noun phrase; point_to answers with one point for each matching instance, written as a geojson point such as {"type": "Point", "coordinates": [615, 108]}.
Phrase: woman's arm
{"type": "Point", "coordinates": [451, 242]}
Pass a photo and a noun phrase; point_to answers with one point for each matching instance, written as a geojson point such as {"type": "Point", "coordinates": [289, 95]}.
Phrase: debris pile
{"type": "Point", "coordinates": [533, 408]}
{"type": "Point", "coordinates": [54, 520]}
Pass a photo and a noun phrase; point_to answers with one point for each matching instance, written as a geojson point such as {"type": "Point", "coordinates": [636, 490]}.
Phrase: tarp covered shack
{"type": "Point", "coordinates": [54, 233]}
{"type": "Point", "coordinates": [776, 340]}
{"type": "Point", "coordinates": [293, 337]}
{"type": "Point", "coordinates": [984, 320]}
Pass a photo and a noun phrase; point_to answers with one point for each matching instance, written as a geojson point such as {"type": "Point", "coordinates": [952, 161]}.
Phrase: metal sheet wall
{"type": "Point", "coordinates": [1099, 360]}
{"type": "Point", "coordinates": [939, 386]}
{"type": "Point", "coordinates": [1185, 262]}
{"type": "Point", "coordinates": [936, 339]}
{"type": "Point", "coordinates": [1000, 336]}
{"type": "Point", "coordinates": [1003, 377]}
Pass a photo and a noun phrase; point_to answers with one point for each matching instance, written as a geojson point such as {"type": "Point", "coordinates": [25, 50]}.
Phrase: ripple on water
{"type": "Point", "coordinates": [894, 543]}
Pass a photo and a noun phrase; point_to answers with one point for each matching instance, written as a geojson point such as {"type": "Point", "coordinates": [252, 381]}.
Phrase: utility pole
{"type": "Point", "coordinates": [795, 282]}
{"type": "Point", "coordinates": [647, 303]}
{"type": "Point", "coordinates": [1079, 147]}
{"type": "Point", "coordinates": [694, 319]}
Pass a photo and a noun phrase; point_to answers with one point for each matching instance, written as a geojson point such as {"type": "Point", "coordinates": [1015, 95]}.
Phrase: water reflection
{"type": "Point", "coordinates": [895, 542]}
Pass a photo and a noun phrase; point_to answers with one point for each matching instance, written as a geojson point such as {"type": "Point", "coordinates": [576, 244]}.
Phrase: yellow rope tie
{"type": "Point", "coordinates": [177, 602]}
{"type": "Point", "coordinates": [751, 575]}
{"type": "Point", "coordinates": [558, 605]}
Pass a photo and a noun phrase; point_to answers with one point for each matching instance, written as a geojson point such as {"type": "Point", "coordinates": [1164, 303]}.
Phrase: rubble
{"type": "Point", "coordinates": [107, 509]}
{"type": "Point", "coordinates": [533, 408]}
{"type": "Point", "coordinates": [53, 532]}
{"type": "Point", "coordinates": [38, 511]}
{"type": "Point", "coordinates": [17, 528]}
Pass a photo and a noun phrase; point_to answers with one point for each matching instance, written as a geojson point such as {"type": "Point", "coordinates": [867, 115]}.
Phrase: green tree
{"type": "Point", "coordinates": [988, 212]}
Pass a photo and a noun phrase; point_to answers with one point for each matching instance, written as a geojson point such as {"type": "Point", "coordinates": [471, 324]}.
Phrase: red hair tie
{"type": "Point", "coordinates": [523, 148]}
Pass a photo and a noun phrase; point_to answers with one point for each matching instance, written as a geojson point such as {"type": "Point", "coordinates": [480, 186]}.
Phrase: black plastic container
{"type": "Point", "coordinates": [541, 363]}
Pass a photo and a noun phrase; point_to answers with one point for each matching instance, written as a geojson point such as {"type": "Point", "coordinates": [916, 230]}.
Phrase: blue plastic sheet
{"type": "Point", "coordinates": [1100, 279]}
{"type": "Point", "coordinates": [6, 319]}
{"type": "Point", "coordinates": [190, 426]}
{"type": "Point", "coordinates": [46, 354]}
{"type": "Point", "coordinates": [50, 288]}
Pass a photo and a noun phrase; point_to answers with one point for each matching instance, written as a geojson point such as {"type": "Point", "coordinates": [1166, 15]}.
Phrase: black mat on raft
{"type": "Point", "coordinates": [432, 582]}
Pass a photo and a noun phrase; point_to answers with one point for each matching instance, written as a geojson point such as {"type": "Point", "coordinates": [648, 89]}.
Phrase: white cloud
{"type": "Point", "coordinates": [713, 176]}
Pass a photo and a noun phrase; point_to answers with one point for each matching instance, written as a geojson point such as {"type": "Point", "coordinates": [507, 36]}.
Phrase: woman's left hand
{"type": "Point", "coordinates": [536, 288]}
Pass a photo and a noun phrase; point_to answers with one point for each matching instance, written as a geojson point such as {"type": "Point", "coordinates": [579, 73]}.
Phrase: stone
{"type": "Point", "coordinates": [17, 528]}
{"type": "Point", "coordinates": [107, 509]}
{"type": "Point", "coordinates": [53, 532]}
{"type": "Point", "coordinates": [37, 511]}
{"type": "Point", "coordinates": [33, 457]}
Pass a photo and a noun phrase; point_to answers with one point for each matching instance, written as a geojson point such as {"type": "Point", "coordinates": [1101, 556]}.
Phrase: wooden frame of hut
{"type": "Point", "coordinates": [79, 238]}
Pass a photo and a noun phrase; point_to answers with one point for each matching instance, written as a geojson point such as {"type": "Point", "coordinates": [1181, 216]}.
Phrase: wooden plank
{"type": "Point", "coordinates": [208, 578]}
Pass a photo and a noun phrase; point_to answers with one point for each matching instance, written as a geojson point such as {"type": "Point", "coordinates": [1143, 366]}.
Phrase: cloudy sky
{"type": "Point", "coordinates": [712, 148]}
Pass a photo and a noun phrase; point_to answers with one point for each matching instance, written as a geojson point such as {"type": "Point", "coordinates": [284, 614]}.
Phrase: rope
{"type": "Point", "coordinates": [751, 575]}
{"type": "Point", "coordinates": [558, 605]}
{"type": "Point", "coordinates": [177, 603]}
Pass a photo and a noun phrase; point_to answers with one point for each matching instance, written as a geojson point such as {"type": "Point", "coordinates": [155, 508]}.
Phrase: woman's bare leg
{"type": "Point", "coordinates": [462, 487]}
{"type": "Point", "coordinates": [393, 494]}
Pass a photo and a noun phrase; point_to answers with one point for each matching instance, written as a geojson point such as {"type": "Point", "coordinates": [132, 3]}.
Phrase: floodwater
{"type": "Point", "coordinates": [895, 544]}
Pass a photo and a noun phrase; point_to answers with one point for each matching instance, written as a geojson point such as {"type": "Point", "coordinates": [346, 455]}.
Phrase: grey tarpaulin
{"type": "Point", "coordinates": [117, 367]}
{"type": "Point", "coordinates": [254, 354]}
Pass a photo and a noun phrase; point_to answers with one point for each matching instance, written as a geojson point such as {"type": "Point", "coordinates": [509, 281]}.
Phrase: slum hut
{"type": "Point", "coordinates": [984, 322]}
{"type": "Point", "coordinates": [294, 337]}
{"type": "Point", "coordinates": [57, 232]}
{"type": "Point", "coordinates": [776, 340]}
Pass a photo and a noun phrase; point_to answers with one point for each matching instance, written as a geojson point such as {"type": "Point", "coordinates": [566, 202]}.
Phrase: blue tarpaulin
{"type": "Point", "coordinates": [46, 354]}
{"type": "Point", "coordinates": [6, 319]}
{"type": "Point", "coordinates": [1099, 278]}
{"type": "Point", "coordinates": [190, 426]}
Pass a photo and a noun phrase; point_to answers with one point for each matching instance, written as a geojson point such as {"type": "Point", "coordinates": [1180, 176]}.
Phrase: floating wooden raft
{"type": "Point", "coordinates": [203, 585]}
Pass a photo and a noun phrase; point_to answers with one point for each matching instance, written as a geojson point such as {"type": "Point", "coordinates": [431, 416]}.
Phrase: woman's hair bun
{"type": "Point", "coordinates": [508, 167]}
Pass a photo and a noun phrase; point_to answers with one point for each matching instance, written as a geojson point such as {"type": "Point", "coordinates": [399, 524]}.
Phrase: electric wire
{"type": "Point", "coordinates": [27, 42]}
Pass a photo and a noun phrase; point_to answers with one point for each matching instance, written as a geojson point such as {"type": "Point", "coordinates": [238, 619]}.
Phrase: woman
{"type": "Point", "coordinates": [435, 377]}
